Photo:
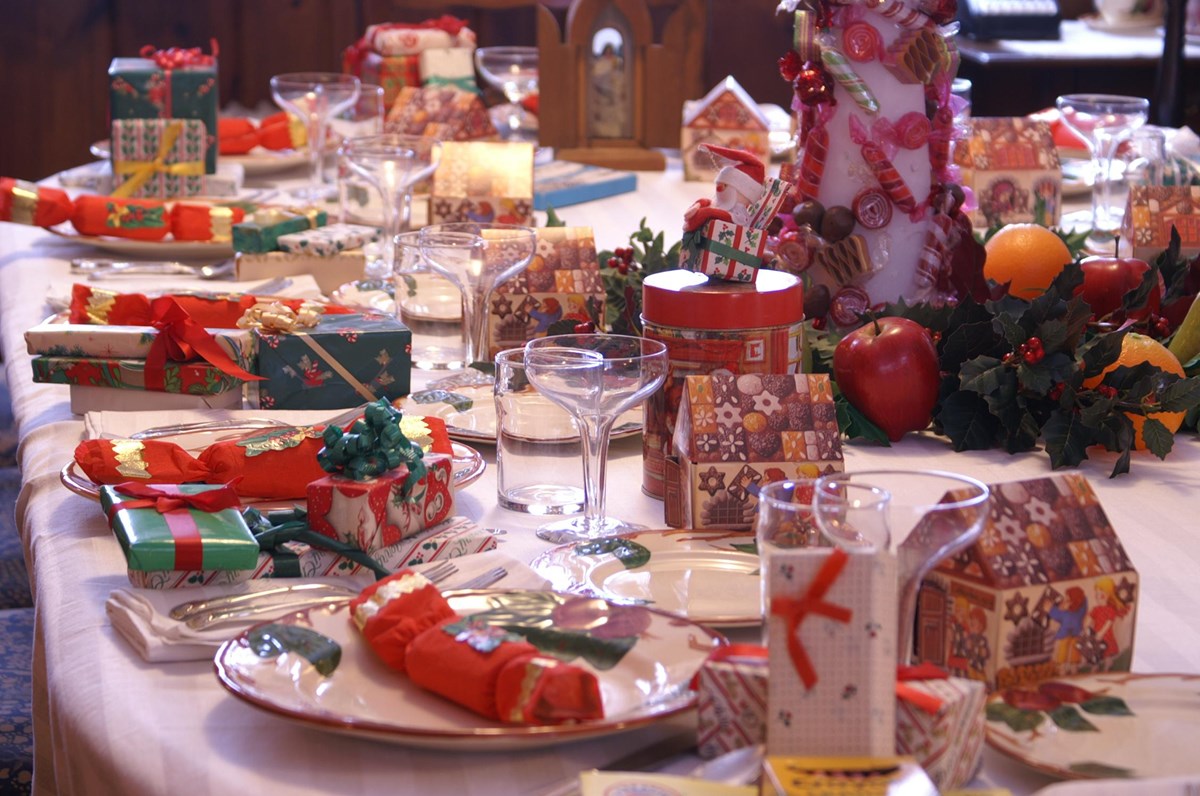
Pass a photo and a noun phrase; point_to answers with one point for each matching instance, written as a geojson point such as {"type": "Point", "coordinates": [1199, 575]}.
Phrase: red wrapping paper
{"type": "Point", "coordinates": [114, 461]}
{"type": "Point", "coordinates": [137, 219]}
{"type": "Point", "coordinates": [27, 203]}
{"type": "Point", "coordinates": [204, 222]}
{"type": "Point", "coordinates": [214, 311]}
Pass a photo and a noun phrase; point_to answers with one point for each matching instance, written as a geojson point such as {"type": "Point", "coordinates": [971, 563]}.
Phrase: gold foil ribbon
{"type": "Point", "coordinates": [221, 224]}
{"type": "Point", "coordinates": [128, 453]}
{"type": "Point", "coordinates": [24, 201]}
{"type": "Point", "coordinates": [99, 305]}
{"type": "Point", "coordinates": [274, 316]}
{"type": "Point", "coordinates": [142, 170]}
{"type": "Point", "coordinates": [417, 430]}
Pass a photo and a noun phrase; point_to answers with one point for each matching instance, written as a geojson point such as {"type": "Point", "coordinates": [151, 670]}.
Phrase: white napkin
{"type": "Point", "coordinates": [141, 615]}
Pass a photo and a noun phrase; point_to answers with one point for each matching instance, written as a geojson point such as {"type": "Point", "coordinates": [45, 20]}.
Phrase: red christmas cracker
{"type": "Point", "coordinates": [24, 202]}
{"type": "Point", "coordinates": [151, 461]}
{"type": "Point", "coordinates": [881, 165]}
{"type": "Point", "coordinates": [204, 222]}
{"type": "Point", "coordinates": [137, 219]}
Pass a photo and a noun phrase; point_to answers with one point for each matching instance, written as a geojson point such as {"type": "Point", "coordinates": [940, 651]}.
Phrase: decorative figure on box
{"type": "Point", "coordinates": [1069, 615]}
{"type": "Point", "coordinates": [1109, 608]}
{"type": "Point", "coordinates": [737, 185]}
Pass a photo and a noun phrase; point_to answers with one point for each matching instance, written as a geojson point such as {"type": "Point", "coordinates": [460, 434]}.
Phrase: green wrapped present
{"type": "Point", "coordinates": [184, 527]}
{"type": "Point", "coordinates": [343, 361]}
{"type": "Point", "coordinates": [188, 378]}
{"type": "Point", "coordinates": [170, 84]}
{"type": "Point", "coordinates": [262, 232]}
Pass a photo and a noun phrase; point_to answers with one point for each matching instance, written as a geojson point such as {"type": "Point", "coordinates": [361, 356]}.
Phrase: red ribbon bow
{"type": "Point", "coordinates": [179, 339]}
{"type": "Point", "coordinates": [178, 57]}
{"type": "Point", "coordinates": [919, 699]}
{"type": "Point", "coordinates": [174, 505]}
{"type": "Point", "coordinates": [813, 602]}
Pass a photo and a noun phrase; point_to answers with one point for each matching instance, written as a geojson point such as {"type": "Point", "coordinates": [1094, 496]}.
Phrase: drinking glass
{"type": "Point", "coordinates": [314, 97]}
{"type": "Point", "coordinates": [1103, 121]}
{"type": "Point", "coordinates": [476, 257]}
{"type": "Point", "coordinates": [922, 516]}
{"type": "Point", "coordinates": [393, 163]}
{"type": "Point", "coordinates": [513, 70]}
{"type": "Point", "coordinates": [783, 520]}
{"type": "Point", "coordinates": [429, 306]}
{"type": "Point", "coordinates": [363, 117]}
{"type": "Point", "coordinates": [595, 377]}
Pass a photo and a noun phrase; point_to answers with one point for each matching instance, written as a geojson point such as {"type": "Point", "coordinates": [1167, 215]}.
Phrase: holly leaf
{"type": "Point", "coordinates": [1067, 438]}
{"type": "Point", "coordinates": [1157, 438]}
{"type": "Point", "coordinates": [1137, 298]}
{"type": "Point", "coordinates": [967, 421]}
{"type": "Point", "coordinates": [1006, 326]}
{"type": "Point", "coordinates": [1064, 332]}
{"type": "Point", "coordinates": [965, 342]}
{"type": "Point", "coordinates": [982, 375]}
{"type": "Point", "coordinates": [1070, 719]}
{"type": "Point", "coordinates": [1180, 396]}
{"type": "Point", "coordinates": [1101, 351]}
{"type": "Point", "coordinates": [855, 425]}
{"type": "Point", "coordinates": [552, 219]}
{"type": "Point", "coordinates": [1121, 466]}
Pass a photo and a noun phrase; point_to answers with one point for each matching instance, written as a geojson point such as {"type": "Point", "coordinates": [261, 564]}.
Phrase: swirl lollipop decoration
{"type": "Point", "coordinates": [373, 446]}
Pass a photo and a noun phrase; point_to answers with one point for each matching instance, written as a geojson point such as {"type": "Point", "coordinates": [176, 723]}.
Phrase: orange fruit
{"type": "Point", "coordinates": [1028, 256]}
{"type": "Point", "coordinates": [1136, 349]}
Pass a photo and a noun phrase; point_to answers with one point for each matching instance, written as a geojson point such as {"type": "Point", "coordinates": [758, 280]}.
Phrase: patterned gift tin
{"type": "Point", "coordinates": [711, 325]}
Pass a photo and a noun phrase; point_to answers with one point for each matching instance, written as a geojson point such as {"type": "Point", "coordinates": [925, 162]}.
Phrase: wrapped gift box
{"type": "Point", "coordinates": [330, 273]}
{"type": "Point", "coordinates": [560, 288]}
{"type": "Point", "coordinates": [458, 536]}
{"type": "Point", "coordinates": [1153, 210]}
{"type": "Point", "coordinates": [86, 399]}
{"type": "Point", "coordinates": [1046, 591]}
{"type": "Point", "coordinates": [453, 66]}
{"type": "Point", "coordinates": [729, 251]}
{"type": "Point", "coordinates": [731, 700]}
{"type": "Point", "coordinates": [725, 116]}
{"type": "Point", "coordinates": [1012, 166]}
{"type": "Point", "coordinates": [832, 653]}
{"type": "Point", "coordinates": [375, 514]}
{"type": "Point", "coordinates": [343, 361]}
{"type": "Point", "coordinates": [183, 537]}
{"type": "Point", "coordinates": [53, 339]}
{"type": "Point", "coordinates": [444, 112]}
{"type": "Point", "coordinates": [483, 181]}
{"type": "Point", "coordinates": [329, 240]}
{"type": "Point", "coordinates": [192, 378]}
{"type": "Point", "coordinates": [735, 432]}
{"type": "Point", "coordinates": [261, 233]}
{"type": "Point", "coordinates": [141, 89]}
{"type": "Point", "coordinates": [392, 72]}
{"type": "Point", "coordinates": [942, 728]}
{"type": "Point", "coordinates": [158, 158]}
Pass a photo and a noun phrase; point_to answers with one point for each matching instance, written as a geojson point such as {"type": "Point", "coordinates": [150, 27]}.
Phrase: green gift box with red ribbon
{"type": "Point", "coordinates": [343, 361]}
{"type": "Point", "coordinates": [180, 527]}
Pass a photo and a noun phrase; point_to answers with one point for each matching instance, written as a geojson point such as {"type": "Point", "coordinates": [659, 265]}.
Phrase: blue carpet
{"type": "Point", "coordinates": [16, 712]}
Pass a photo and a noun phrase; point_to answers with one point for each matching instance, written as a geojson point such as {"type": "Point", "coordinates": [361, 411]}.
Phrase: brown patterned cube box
{"type": "Point", "coordinates": [1012, 166]}
{"type": "Point", "coordinates": [483, 181]}
{"type": "Point", "coordinates": [1046, 591]}
{"type": "Point", "coordinates": [444, 112]}
{"type": "Point", "coordinates": [735, 432]}
{"type": "Point", "coordinates": [1153, 210]}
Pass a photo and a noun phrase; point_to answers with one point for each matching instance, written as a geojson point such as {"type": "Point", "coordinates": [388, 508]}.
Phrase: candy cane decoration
{"type": "Point", "coordinates": [882, 167]}
{"type": "Point", "coordinates": [931, 262]}
{"type": "Point", "coordinates": [901, 13]}
{"type": "Point", "coordinates": [812, 165]}
{"type": "Point", "coordinates": [847, 78]}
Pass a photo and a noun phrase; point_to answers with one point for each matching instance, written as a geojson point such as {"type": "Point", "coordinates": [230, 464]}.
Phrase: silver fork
{"type": "Point", "coordinates": [235, 423]}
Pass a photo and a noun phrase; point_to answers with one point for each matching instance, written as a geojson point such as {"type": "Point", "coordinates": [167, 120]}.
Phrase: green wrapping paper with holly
{"type": "Point", "coordinates": [167, 84]}
{"type": "Point", "coordinates": [191, 378]}
{"type": "Point", "coordinates": [341, 362]}
{"type": "Point", "coordinates": [184, 527]}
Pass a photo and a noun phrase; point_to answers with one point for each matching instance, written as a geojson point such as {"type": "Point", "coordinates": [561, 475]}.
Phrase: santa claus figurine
{"type": "Point", "coordinates": [738, 184]}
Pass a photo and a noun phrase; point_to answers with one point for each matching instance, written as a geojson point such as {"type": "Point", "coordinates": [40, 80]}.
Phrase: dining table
{"type": "Point", "coordinates": [106, 721]}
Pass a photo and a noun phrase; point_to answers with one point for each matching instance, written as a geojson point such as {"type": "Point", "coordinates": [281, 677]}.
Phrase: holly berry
{"type": "Point", "coordinates": [586, 327]}
{"type": "Point", "coordinates": [1056, 391]}
{"type": "Point", "coordinates": [1107, 390]}
{"type": "Point", "coordinates": [613, 262]}
{"type": "Point", "coordinates": [1159, 326]}
{"type": "Point", "coordinates": [1031, 351]}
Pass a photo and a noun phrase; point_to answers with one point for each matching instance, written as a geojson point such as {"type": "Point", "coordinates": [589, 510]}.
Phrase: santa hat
{"type": "Point", "coordinates": [739, 169]}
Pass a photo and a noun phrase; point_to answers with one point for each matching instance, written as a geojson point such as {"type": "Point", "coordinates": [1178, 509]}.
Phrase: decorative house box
{"type": "Point", "coordinates": [729, 251]}
{"type": "Point", "coordinates": [832, 653]}
{"type": "Point", "coordinates": [940, 723]}
{"type": "Point", "coordinates": [560, 288]}
{"type": "Point", "coordinates": [1153, 210]}
{"type": "Point", "coordinates": [375, 514]}
{"type": "Point", "coordinates": [726, 116]}
{"type": "Point", "coordinates": [483, 181]}
{"type": "Point", "coordinates": [1012, 166]}
{"type": "Point", "coordinates": [1046, 591]}
{"type": "Point", "coordinates": [458, 536]}
{"type": "Point", "coordinates": [735, 432]}
{"type": "Point", "coordinates": [192, 378]}
{"type": "Point", "coordinates": [731, 700]}
{"type": "Point", "coordinates": [444, 112]}
{"type": "Point", "coordinates": [139, 88]}
{"type": "Point", "coordinates": [158, 158]}
{"type": "Point", "coordinates": [343, 361]}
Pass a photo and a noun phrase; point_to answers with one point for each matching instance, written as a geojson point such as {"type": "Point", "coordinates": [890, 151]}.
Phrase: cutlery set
{"type": "Point", "coordinates": [97, 270]}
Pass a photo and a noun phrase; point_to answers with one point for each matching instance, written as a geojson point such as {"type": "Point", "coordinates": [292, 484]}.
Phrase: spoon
{"type": "Point", "coordinates": [104, 269]}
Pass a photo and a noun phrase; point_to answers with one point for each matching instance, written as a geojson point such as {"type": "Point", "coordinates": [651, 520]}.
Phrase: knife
{"type": "Point", "coordinates": [643, 759]}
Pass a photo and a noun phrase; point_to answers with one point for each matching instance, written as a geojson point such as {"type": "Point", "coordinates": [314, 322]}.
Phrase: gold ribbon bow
{"type": "Point", "coordinates": [139, 171]}
{"type": "Point", "coordinates": [279, 318]}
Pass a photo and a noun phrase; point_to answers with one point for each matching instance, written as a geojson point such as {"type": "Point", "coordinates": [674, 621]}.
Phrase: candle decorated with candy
{"type": "Point", "coordinates": [877, 201]}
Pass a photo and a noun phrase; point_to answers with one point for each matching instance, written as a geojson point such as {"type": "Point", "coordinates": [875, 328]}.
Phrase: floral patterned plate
{"type": "Point", "coordinates": [711, 577]}
{"type": "Point", "coordinates": [1117, 724]}
{"type": "Point", "coordinates": [644, 659]}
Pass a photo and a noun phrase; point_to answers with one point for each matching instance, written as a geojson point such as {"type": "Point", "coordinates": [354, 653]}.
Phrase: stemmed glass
{"type": "Point", "coordinates": [595, 377]}
{"type": "Point", "coordinates": [513, 70]}
{"type": "Point", "coordinates": [1103, 121]}
{"type": "Point", "coordinates": [923, 516]}
{"type": "Point", "coordinates": [393, 164]}
{"type": "Point", "coordinates": [476, 257]}
{"type": "Point", "coordinates": [314, 97]}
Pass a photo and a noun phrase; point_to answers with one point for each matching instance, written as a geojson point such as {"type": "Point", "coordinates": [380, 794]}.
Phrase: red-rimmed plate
{"type": "Point", "coordinates": [644, 660]}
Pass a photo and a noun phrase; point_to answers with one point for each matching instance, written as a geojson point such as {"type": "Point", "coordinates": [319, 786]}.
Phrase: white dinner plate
{"type": "Point", "coordinates": [1128, 726]}
{"type": "Point", "coordinates": [430, 298]}
{"type": "Point", "coordinates": [256, 162]}
{"type": "Point", "coordinates": [650, 680]}
{"type": "Point", "coordinates": [710, 576]}
{"type": "Point", "coordinates": [169, 248]}
{"type": "Point", "coordinates": [1140, 24]}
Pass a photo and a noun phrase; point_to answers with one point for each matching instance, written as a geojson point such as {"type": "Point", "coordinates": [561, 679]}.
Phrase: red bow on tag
{"type": "Point", "coordinates": [173, 505]}
{"type": "Point", "coordinates": [795, 611]}
{"type": "Point", "coordinates": [919, 699]}
{"type": "Point", "coordinates": [180, 338]}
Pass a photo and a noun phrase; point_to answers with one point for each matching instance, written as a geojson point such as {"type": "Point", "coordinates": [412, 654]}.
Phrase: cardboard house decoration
{"type": "Point", "coordinates": [1153, 210]}
{"type": "Point", "coordinates": [483, 181]}
{"type": "Point", "coordinates": [726, 116]}
{"type": "Point", "coordinates": [1012, 166]}
{"type": "Point", "coordinates": [1046, 591]}
{"type": "Point", "coordinates": [735, 432]}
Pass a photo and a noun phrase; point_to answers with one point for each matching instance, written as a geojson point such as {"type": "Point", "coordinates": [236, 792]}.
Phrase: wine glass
{"type": "Point", "coordinates": [476, 257]}
{"type": "Point", "coordinates": [595, 377]}
{"type": "Point", "coordinates": [314, 97]}
{"type": "Point", "coordinates": [1103, 121]}
{"type": "Point", "coordinates": [513, 70]}
{"type": "Point", "coordinates": [922, 516]}
{"type": "Point", "coordinates": [363, 117]}
{"type": "Point", "coordinates": [393, 164]}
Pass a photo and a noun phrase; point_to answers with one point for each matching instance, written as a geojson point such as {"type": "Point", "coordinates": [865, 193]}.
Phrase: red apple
{"type": "Point", "coordinates": [1107, 279]}
{"type": "Point", "coordinates": [888, 370]}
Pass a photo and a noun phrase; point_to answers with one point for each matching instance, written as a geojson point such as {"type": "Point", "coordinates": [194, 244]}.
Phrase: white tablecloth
{"type": "Point", "coordinates": [108, 723]}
